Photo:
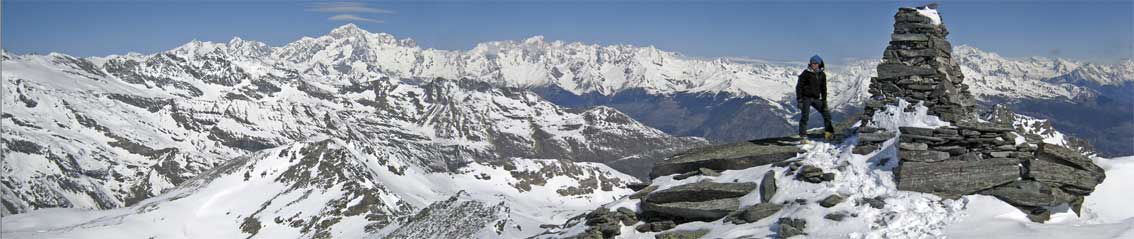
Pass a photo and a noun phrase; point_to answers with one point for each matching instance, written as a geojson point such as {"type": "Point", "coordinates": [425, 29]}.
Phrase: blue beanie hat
{"type": "Point", "coordinates": [816, 60]}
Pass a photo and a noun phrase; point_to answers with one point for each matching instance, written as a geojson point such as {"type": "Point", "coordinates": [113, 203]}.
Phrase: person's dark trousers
{"type": "Point", "coordinates": [805, 105]}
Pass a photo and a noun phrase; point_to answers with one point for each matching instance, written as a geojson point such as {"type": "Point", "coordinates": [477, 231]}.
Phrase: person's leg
{"type": "Point", "coordinates": [805, 112]}
{"type": "Point", "coordinates": [822, 107]}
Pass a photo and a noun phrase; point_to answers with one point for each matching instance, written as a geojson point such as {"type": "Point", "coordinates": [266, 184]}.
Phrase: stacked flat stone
{"type": "Point", "coordinates": [918, 66]}
{"type": "Point", "coordinates": [970, 157]}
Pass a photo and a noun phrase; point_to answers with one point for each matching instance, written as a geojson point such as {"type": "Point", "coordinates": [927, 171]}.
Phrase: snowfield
{"type": "Point", "coordinates": [275, 185]}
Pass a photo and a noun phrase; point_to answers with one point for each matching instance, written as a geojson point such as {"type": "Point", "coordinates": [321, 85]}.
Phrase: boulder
{"type": "Point", "coordinates": [729, 156]}
{"type": "Point", "coordinates": [683, 234]}
{"type": "Point", "coordinates": [768, 186]}
{"type": "Point", "coordinates": [643, 192]}
{"type": "Point", "coordinates": [656, 226]}
{"type": "Point", "coordinates": [700, 191]}
{"type": "Point", "coordinates": [602, 223]}
{"type": "Point", "coordinates": [831, 201]}
{"type": "Point", "coordinates": [954, 178]}
{"type": "Point", "coordinates": [874, 202]}
{"type": "Point", "coordinates": [789, 227]}
{"type": "Point", "coordinates": [813, 174]}
{"type": "Point", "coordinates": [709, 172]}
{"type": "Point", "coordinates": [691, 211]}
{"type": "Point", "coordinates": [755, 213]}
{"type": "Point", "coordinates": [866, 149]}
{"type": "Point", "coordinates": [1049, 172]}
{"type": "Point", "coordinates": [1029, 193]}
{"type": "Point", "coordinates": [836, 216]}
{"type": "Point", "coordinates": [1065, 156]}
{"type": "Point", "coordinates": [909, 37]}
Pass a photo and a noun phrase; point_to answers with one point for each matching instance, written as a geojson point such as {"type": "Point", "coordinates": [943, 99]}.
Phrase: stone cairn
{"type": "Point", "coordinates": [918, 66]}
{"type": "Point", "coordinates": [970, 157]}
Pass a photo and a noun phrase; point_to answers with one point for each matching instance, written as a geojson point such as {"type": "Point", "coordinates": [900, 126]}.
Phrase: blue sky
{"type": "Point", "coordinates": [1099, 31]}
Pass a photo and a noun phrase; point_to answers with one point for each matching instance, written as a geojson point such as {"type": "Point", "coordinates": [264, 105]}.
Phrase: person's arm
{"type": "Point", "coordinates": [799, 88]}
{"type": "Point", "coordinates": [823, 88]}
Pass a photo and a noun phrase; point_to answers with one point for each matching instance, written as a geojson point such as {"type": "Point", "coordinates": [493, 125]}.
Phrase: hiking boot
{"type": "Point", "coordinates": [828, 136]}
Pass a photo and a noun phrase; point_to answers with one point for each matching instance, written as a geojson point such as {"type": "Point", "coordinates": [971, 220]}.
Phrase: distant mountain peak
{"type": "Point", "coordinates": [348, 28]}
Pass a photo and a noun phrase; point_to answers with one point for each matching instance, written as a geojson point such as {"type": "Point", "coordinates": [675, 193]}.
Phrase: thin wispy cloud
{"type": "Point", "coordinates": [346, 7]}
{"type": "Point", "coordinates": [351, 17]}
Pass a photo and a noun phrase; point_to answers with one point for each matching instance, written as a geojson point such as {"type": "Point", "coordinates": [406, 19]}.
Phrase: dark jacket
{"type": "Point", "coordinates": [811, 84]}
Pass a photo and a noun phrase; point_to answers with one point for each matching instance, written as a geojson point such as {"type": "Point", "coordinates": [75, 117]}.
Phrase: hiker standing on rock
{"type": "Point", "coordinates": [811, 91]}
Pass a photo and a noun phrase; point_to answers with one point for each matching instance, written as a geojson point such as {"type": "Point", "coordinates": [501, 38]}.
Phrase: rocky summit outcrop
{"type": "Point", "coordinates": [702, 199]}
{"type": "Point", "coordinates": [918, 84]}
{"type": "Point", "coordinates": [740, 155]}
{"type": "Point", "coordinates": [971, 156]}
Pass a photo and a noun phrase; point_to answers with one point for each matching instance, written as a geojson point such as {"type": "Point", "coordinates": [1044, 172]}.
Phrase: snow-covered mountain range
{"type": "Point", "coordinates": [111, 132]}
{"type": "Point", "coordinates": [357, 134]}
{"type": "Point", "coordinates": [717, 99]}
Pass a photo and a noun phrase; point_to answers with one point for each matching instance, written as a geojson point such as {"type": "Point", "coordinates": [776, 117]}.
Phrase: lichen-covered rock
{"type": "Point", "coordinates": [954, 178]}
{"type": "Point", "coordinates": [1049, 172]}
{"type": "Point", "coordinates": [1062, 155]}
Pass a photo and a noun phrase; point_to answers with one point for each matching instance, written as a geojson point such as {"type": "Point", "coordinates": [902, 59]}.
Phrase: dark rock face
{"type": "Point", "coordinates": [729, 156]}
